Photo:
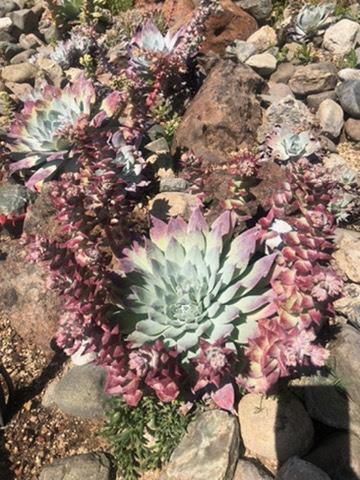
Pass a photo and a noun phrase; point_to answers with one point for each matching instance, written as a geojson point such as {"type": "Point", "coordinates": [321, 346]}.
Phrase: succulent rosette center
{"type": "Point", "coordinates": [191, 281]}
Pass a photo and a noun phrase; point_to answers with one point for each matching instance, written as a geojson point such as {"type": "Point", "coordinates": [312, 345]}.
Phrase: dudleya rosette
{"type": "Point", "coordinates": [150, 41]}
{"type": "Point", "coordinates": [285, 145]}
{"type": "Point", "coordinates": [311, 19]}
{"type": "Point", "coordinates": [38, 138]}
{"type": "Point", "coordinates": [190, 282]}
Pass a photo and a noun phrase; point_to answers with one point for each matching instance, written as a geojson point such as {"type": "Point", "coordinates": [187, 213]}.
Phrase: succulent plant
{"type": "Point", "coordinates": [40, 137]}
{"type": "Point", "coordinates": [190, 282]}
{"type": "Point", "coordinates": [284, 145]}
{"type": "Point", "coordinates": [68, 52]}
{"type": "Point", "coordinates": [311, 19]}
{"type": "Point", "coordinates": [149, 42]}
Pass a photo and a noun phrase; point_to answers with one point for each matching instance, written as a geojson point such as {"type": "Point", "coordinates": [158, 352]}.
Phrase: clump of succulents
{"type": "Point", "coordinates": [191, 293]}
{"type": "Point", "coordinates": [49, 135]}
{"type": "Point", "coordinates": [67, 53]}
{"type": "Point", "coordinates": [311, 20]}
{"type": "Point", "coordinates": [40, 137]}
{"type": "Point", "coordinates": [302, 279]}
{"type": "Point", "coordinates": [284, 145]}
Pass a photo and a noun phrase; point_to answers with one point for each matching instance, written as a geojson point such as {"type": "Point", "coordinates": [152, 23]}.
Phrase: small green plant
{"type": "Point", "coordinates": [277, 14]}
{"type": "Point", "coordinates": [305, 54]}
{"type": "Point", "coordinates": [350, 60]}
{"type": "Point", "coordinates": [118, 6]}
{"type": "Point", "coordinates": [143, 438]}
{"type": "Point", "coordinates": [88, 63]}
{"type": "Point", "coordinates": [282, 54]}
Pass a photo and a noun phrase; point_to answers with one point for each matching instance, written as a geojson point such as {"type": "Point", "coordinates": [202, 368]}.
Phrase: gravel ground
{"type": "Point", "coordinates": [35, 436]}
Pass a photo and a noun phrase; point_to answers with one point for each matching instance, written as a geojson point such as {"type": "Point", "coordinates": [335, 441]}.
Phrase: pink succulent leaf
{"type": "Point", "coordinates": [224, 398]}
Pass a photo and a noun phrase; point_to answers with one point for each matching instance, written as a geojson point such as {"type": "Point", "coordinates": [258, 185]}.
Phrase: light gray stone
{"type": "Point", "coordinates": [297, 469]}
{"type": "Point", "coordinates": [341, 37]}
{"type": "Point", "coordinates": [349, 97]}
{"type": "Point", "coordinates": [345, 360]}
{"type": "Point", "coordinates": [349, 74]}
{"type": "Point", "coordinates": [314, 101]}
{"type": "Point", "coordinates": [352, 129]}
{"type": "Point", "coordinates": [347, 254]}
{"type": "Point", "coordinates": [20, 73]}
{"type": "Point", "coordinates": [246, 470]}
{"type": "Point", "coordinates": [89, 466]}
{"type": "Point", "coordinates": [263, 63]}
{"type": "Point", "coordinates": [289, 112]}
{"type": "Point", "coordinates": [264, 38]}
{"type": "Point", "coordinates": [331, 118]}
{"type": "Point", "coordinates": [275, 428]}
{"type": "Point", "coordinates": [283, 73]}
{"type": "Point", "coordinates": [24, 20]}
{"type": "Point", "coordinates": [277, 91]}
{"type": "Point", "coordinates": [241, 50]}
{"type": "Point", "coordinates": [173, 184]}
{"type": "Point", "coordinates": [259, 9]}
{"type": "Point", "coordinates": [22, 57]}
{"type": "Point", "coordinates": [7, 6]}
{"type": "Point", "coordinates": [30, 41]}
{"type": "Point", "coordinates": [348, 305]}
{"type": "Point", "coordinates": [313, 78]}
{"type": "Point", "coordinates": [5, 23]}
{"type": "Point", "coordinates": [80, 392]}
{"type": "Point", "coordinates": [210, 449]}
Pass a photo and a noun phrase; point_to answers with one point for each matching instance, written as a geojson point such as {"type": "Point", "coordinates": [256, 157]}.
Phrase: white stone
{"type": "Point", "coordinates": [331, 117]}
{"type": "Point", "coordinates": [349, 74]}
{"type": "Point", "coordinates": [264, 63]}
{"type": "Point", "coordinates": [5, 23]}
{"type": "Point", "coordinates": [342, 37]}
{"type": "Point", "coordinates": [264, 38]}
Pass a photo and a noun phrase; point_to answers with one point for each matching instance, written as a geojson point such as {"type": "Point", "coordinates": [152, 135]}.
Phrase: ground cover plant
{"type": "Point", "coordinates": [193, 311]}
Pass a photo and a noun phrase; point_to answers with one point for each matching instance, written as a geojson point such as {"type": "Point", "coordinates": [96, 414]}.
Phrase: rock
{"type": "Point", "coordinates": [338, 456]}
{"type": "Point", "coordinates": [224, 115]}
{"type": "Point", "coordinates": [5, 23]}
{"type": "Point", "coordinates": [22, 57]}
{"type": "Point", "coordinates": [314, 101]}
{"type": "Point", "coordinates": [173, 184]}
{"type": "Point", "coordinates": [288, 112]}
{"type": "Point", "coordinates": [7, 6]}
{"type": "Point", "coordinates": [331, 118]}
{"type": "Point", "coordinates": [13, 200]}
{"type": "Point", "coordinates": [232, 23]}
{"type": "Point", "coordinates": [9, 50]}
{"type": "Point", "coordinates": [264, 38]}
{"type": "Point", "coordinates": [277, 91]}
{"type": "Point", "coordinates": [313, 78]}
{"type": "Point", "coordinates": [349, 97]}
{"type": "Point", "coordinates": [283, 73]}
{"type": "Point", "coordinates": [80, 392]}
{"type": "Point", "coordinates": [263, 63]}
{"type": "Point", "coordinates": [210, 449]}
{"type": "Point", "coordinates": [325, 402]}
{"type": "Point", "coordinates": [241, 50]}
{"type": "Point", "coordinates": [349, 304]}
{"type": "Point", "coordinates": [246, 470]}
{"type": "Point", "coordinates": [274, 429]}
{"type": "Point", "coordinates": [30, 41]}
{"type": "Point", "coordinates": [21, 91]}
{"type": "Point", "coordinates": [20, 73]}
{"type": "Point", "coordinates": [24, 298]}
{"type": "Point", "coordinates": [297, 469]}
{"type": "Point", "coordinates": [260, 9]}
{"type": "Point", "coordinates": [25, 20]}
{"type": "Point", "coordinates": [337, 164]}
{"type": "Point", "coordinates": [347, 255]}
{"type": "Point", "coordinates": [41, 217]}
{"type": "Point", "coordinates": [53, 72]}
{"type": "Point", "coordinates": [159, 145]}
{"type": "Point", "coordinates": [92, 466]}
{"type": "Point", "coordinates": [341, 37]}
{"type": "Point", "coordinates": [345, 360]}
{"type": "Point", "coordinates": [172, 204]}
{"type": "Point", "coordinates": [352, 129]}
{"type": "Point", "coordinates": [349, 74]}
